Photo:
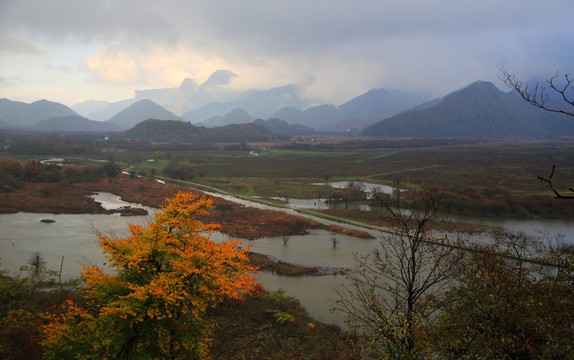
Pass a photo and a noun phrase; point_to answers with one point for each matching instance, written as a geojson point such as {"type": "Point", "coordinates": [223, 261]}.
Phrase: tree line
{"type": "Point", "coordinates": [13, 174]}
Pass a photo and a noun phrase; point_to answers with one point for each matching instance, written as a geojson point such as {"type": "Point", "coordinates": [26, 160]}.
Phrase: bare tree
{"type": "Point", "coordinates": [538, 94]}
{"type": "Point", "coordinates": [389, 299]}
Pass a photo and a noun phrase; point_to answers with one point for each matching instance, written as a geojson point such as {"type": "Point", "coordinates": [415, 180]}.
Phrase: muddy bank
{"type": "Point", "coordinates": [235, 220]}
{"type": "Point", "coordinates": [275, 266]}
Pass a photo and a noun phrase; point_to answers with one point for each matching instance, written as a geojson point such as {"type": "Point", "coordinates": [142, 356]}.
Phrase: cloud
{"type": "Point", "coordinates": [331, 49]}
{"type": "Point", "coordinates": [8, 81]}
{"type": "Point", "coordinates": [14, 45]}
{"type": "Point", "coordinates": [156, 65]}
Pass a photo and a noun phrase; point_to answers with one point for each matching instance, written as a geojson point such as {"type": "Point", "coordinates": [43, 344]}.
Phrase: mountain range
{"type": "Point", "coordinates": [478, 110]}
{"type": "Point", "coordinates": [20, 114]}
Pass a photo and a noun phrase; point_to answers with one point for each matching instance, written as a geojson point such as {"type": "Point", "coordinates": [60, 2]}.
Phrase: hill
{"type": "Point", "coordinates": [73, 124]}
{"type": "Point", "coordinates": [139, 111]}
{"type": "Point", "coordinates": [478, 110]}
{"type": "Point", "coordinates": [282, 128]}
{"type": "Point", "coordinates": [322, 114]}
{"type": "Point", "coordinates": [235, 116]}
{"type": "Point", "coordinates": [378, 102]}
{"type": "Point", "coordinates": [20, 114]}
{"type": "Point", "coordinates": [291, 115]}
{"type": "Point", "coordinates": [174, 130]}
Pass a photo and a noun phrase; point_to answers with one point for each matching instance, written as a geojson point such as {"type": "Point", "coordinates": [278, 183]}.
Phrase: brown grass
{"type": "Point", "coordinates": [235, 220]}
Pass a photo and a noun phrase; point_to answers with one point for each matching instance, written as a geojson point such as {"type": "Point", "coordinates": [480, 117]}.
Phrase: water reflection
{"type": "Point", "coordinates": [73, 236]}
{"type": "Point", "coordinates": [367, 187]}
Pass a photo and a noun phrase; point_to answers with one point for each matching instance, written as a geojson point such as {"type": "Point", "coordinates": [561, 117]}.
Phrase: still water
{"type": "Point", "coordinates": [73, 238]}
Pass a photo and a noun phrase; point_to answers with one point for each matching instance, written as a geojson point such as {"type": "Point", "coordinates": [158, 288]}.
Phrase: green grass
{"type": "Point", "coordinates": [289, 173]}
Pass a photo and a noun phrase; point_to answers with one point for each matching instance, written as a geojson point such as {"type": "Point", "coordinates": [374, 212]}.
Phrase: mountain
{"type": "Point", "coordinates": [353, 115]}
{"type": "Point", "coordinates": [478, 110]}
{"type": "Point", "coordinates": [189, 95]}
{"type": "Point", "coordinates": [350, 126]}
{"type": "Point", "coordinates": [4, 125]}
{"type": "Point", "coordinates": [280, 127]}
{"type": "Point", "coordinates": [20, 114]}
{"type": "Point", "coordinates": [378, 102]}
{"type": "Point", "coordinates": [162, 130]}
{"type": "Point", "coordinates": [322, 114]}
{"type": "Point", "coordinates": [109, 110]}
{"type": "Point", "coordinates": [139, 111]}
{"type": "Point", "coordinates": [235, 116]}
{"type": "Point", "coordinates": [183, 131]}
{"type": "Point", "coordinates": [291, 115]}
{"type": "Point", "coordinates": [73, 124]}
{"type": "Point", "coordinates": [258, 103]}
{"type": "Point", "coordinates": [90, 106]}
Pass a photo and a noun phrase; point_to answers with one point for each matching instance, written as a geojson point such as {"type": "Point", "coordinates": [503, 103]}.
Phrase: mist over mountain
{"type": "Point", "coordinates": [235, 116]}
{"type": "Point", "coordinates": [107, 111]}
{"type": "Point", "coordinates": [379, 102]}
{"type": "Point", "coordinates": [208, 102]}
{"type": "Point", "coordinates": [353, 115]}
{"type": "Point", "coordinates": [19, 114]}
{"type": "Point", "coordinates": [90, 106]}
{"type": "Point", "coordinates": [290, 115]}
{"type": "Point", "coordinates": [478, 110]}
{"type": "Point", "coordinates": [139, 111]}
{"type": "Point", "coordinates": [259, 103]}
{"type": "Point", "coordinates": [322, 114]}
{"type": "Point", "coordinates": [283, 128]}
{"type": "Point", "coordinates": [73, 124]}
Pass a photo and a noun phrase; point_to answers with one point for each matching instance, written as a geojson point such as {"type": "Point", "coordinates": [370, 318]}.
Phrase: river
{"type": "Point", "coordinates": [73, 238]}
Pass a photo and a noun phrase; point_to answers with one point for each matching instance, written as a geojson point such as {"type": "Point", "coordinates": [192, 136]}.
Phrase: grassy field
{"type": "Point", "coordinates": [510, 165]}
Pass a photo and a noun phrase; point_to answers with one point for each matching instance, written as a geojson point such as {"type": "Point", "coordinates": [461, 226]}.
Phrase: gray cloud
{"type": "Point", "coordinates": [8, 81]}
{"type": "Point", "coordinates": [434, 45]}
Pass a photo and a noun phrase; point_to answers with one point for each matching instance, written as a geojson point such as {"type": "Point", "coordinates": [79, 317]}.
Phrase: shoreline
{"type": "Point", "coordinates": [236, 220]}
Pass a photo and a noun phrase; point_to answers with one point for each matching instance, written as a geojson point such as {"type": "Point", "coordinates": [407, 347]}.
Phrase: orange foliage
{"type": "Point", "coordinates": [165, 276]}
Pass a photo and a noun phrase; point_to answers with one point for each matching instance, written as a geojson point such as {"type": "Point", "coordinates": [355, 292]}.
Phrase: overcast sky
{"type": "Point", "coordinates": [73, 50]}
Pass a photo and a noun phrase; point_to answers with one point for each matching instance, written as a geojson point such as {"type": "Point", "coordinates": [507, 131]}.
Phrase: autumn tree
{"type": "Point", "coordinates": [389, 299]}
{"type": "Point", "coordinates": [505, 307]}
{"type": "Point", "coordinates": [165, 275]}
{"type": "Point", "coordinates": [11, 175]}
{"type": "Point", "coordinates": [23, 308]}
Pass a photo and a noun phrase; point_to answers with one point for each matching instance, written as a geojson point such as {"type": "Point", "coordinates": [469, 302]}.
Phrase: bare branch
{"type": "Point", "coordinates": [549, 181]}
{"type": "Point", "coordinates": [538, 94]}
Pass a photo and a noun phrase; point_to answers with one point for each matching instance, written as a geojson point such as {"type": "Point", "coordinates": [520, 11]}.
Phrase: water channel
{"type": "Point", "coordinates": [73, 238]}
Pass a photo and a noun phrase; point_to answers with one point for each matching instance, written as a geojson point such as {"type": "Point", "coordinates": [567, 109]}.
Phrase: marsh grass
{"type": "Point", "coordinates": [470, 170]}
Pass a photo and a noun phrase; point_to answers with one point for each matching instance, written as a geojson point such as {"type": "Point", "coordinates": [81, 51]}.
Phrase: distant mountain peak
{"type": "Point", "coordinates": [20, 114]}
{"type": "Point", "coordinates": [219, 77]}
{"type": "Point", "coordinates": [139, 111]}
{"type": "Point", "coordinates": [479, 110]}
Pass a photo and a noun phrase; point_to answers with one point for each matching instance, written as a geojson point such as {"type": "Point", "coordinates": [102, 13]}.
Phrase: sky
{"type": "Point", "coordinates": [70, 51]}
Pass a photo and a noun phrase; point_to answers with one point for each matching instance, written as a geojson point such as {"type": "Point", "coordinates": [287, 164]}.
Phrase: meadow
{"type": "Point", "coordinates": [493, 171]}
